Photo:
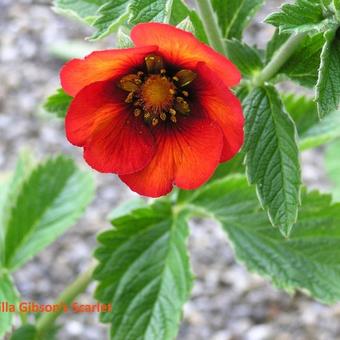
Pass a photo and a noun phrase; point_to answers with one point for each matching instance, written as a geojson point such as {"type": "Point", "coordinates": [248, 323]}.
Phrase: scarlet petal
{"type": "Point", "coordinates": [101, 65]}
{"type": "Point", "coordinates": [114, 141]}
{"type": "Point", "coordinates": [183, 49]}
{"type": "Point", "coordinates": [186, 155]}
{"type": "Point", "coordinates": [218, 103]}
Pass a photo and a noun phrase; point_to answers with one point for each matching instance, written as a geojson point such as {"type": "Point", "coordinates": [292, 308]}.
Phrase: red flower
{"type": "Point", "coordinates": [158, 114]}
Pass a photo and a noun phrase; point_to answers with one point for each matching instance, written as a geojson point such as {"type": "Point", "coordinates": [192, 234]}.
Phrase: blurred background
{"type": "Point", "coordinates": [227, 301]}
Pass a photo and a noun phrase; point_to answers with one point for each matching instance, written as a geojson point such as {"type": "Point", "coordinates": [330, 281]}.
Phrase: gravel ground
{"type": "Point", "coordinates": [227, 301]}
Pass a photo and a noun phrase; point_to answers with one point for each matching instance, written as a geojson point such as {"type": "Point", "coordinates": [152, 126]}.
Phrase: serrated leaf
{"type": "Point", "coordinates": [144, 273]}
{"type": "Point", "coordinates": [50, 201]}
{"type": "Point", "coordinates": [275, 43]}
{"type": "Point", "coordinates": [82, 9]}
{"type": "Point", "coordinates": [308, 261]}
{"type": "Point", "coordinates": [234, 15]}
{"type": "Point", "coordinates": [246, 58]}
{"type": "Point", "coordinates": [186, 25]}
{"type": "Point", "coordinates": [150, 10]}
{"type": "Point", "coordinates": [123, 38]}
{"type": "Point", "coordinates": [110, 16]}
{"type": "Point", "coordinates": [328, 86]}
{"type": "Point", "coordinates": [301, 16]}
{"type": "Point", "coordinates": [272, 160]}
{"type": "Point", "coordinates": [26, 332]}
{"type": "Point", "coordinates": [180, 11]}
{"type": "Point", "coordinates": [312, 132]}
{"type": "Point", "coordinates": [58, 103]}
{"type": "Point", "coordinates": [332, 165]}
{"type": "Point", "coordinates": [8, 294]}
{"type": "Point", "coordinates": [303, 65]}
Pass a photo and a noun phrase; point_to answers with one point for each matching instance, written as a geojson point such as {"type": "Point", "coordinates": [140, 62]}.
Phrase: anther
{"type": "Point", "coordinates": [137, 81]}
{"type": "Point", "coordinates": [185, 77]}
{"type": "Point", "coordinates": [137, 112]}
{"type": "Point", "coordinates": [172, 91]}
{"type": "Point", "coordinates": [154, 121]}
{"type": "Point", "coordinates": [172, 112]}
{"type": "Point", "coordinates": [179, 99]}
{"type": "Point", "coordinates": [147, 115]}
{"type": "Point", "coordinates": [175, 78]}
{"type": "Point", "coordinates": [129, 98]}
{"type": "Point", "coordinates": [138, 102]}
{"type": "Point", "coordinates": [140, 74]}
{"type": "Point", "coordinates": [185, 93]}
{"type": "Point", "coordinates": [173, 119]}
{"type": "Point", "coordinates": [162, 116]}
{"type": "Point", "coordinates": [163, 71]}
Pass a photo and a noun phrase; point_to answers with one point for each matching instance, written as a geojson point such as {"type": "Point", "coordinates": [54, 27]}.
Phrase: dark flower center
{"type": "Point", "coordinates": [156, 94]}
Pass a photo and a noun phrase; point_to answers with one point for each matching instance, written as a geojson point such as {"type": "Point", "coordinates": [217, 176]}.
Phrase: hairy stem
{"type": "Point", "coordinates": [67, 297]}
{"type": "Point", "coordinates": [209, 20]}
{"type": "Point", "coordinates": [279, 58]}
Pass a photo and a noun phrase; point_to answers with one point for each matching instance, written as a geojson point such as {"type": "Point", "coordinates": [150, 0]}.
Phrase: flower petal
{"type": "Point", "coordinates": [182, 49]}
{"type": "Point", "coordinates": [222, 106]}
{"type": "Point", "coordinates": [101, 65]}
{"type": "Point", "coordinates": [114, 140]}
{"type": "Point", "coordinates": [186, 155]}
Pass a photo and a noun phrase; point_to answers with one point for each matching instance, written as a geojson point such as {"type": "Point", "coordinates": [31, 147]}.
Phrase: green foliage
{"type": "Point", "coordinates": [82, 9]}
{"type": "Point", "coordinates": [301, 16]}
{"type": "Point", "coordinates": [26, 332]}
{"type": "Point", "coordinates": [328, 87]}
{"type": "Point", "coordinates": [58, 103]}
{"type": "Point", "coordinates": [272, 156]}
{"type": "Point", "coordinates": [303, 65]}
{"type": "Point", "coordinates": [110, 16]}
{"type": "Point", "coordinates": [234, 15]}
{"type": "Point", "coordinates": [144, 273]}
{"type": "Point", "coordinates": [246, 58]}
{"type": "Point", "coordinates": [307, 261]}
{"type": "Point", "coordinates": [7, 294]}
{"type": "Point", "coordinates": [123, 38]}
{"type": "Point", "coordinates": [332, 164]}
{"type": "Point", "coordinates": [47, 204]}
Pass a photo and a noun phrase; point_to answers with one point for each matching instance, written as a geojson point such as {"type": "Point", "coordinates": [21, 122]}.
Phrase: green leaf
{"type": "Point", "coordinates": [323, 132]}
{"type": "Point", "coordinates": [328, 86]}
{"type": "Point", "coordinates": [26, 332]}
{"type": "Point", "coordinates": [246, 58]}
{"type": "Point", "coordinates": [180, 12]}
{"type": "Point", "coordinates": [234, 15]}
{"type": "Point", "coordinates": [52, 198]}
{"type": "Point", "coordinates": [85, 10]}
{"type": "Point", "coordinates": [144, 273]}
{"type": "Point", "coordinates": [123, 38]}
{"type": "Point", "coordinates": [308, 261]}
{"type": "Point", "coordinates": [332, 165]}
{"type": "Point", "coordinates": [150, 10]}
{"type": "Point", "coordinates": [58, 103]}
{"type": "Point", "coordinates": [8, 294]}
{"type": "Point", "coordinates": [301, 16]}
{"type": "Point", "coordinates": [275, 43]}
{"type": "Point", "coordinates": [303, 65]}
{"type": "Point", "coordinates": [272, 160]}
{"type": "Point", "coordinates": [186, 25]}
{"type": "Point", "coordinates": [9, 192]}
{"type": "Point", "coordinates": [312, 132]}
{"type": "Point", "coordinates": [110, 16]}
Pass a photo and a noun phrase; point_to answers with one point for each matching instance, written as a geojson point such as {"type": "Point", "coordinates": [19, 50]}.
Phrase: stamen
{"type": "Point", "coordinates": [154, 63]}
{"type": "Point", "coordinates": [185, 93]}
{"type": "Point", "coordinates": [129, 83]}
{"type": "Point", "coordinates": [175, 78]}
{"type": "Point", "coordinates": [147, 115]}
{"type": "Point", "coordinates": [172, 112]}
{"type": "Point", "coordinates": [129, 98]}
{"type": "Point", "coordinates": [155, 121]}
{"type": "Point", "coordinates": [138, 102]}
{"type": "Point", "coordinates": [162, 116]}
{"type": "Point", "coordinates": [163, 71]}
{"type": "Point", "coordinates": [185, 77]}
{"type": "Point", "coordinates": [173, 119]}
{"type": "Point", "coordinates": [137, 112]}
{"type": "Point", "coordinates": [182, 106]}
{"type": "Point", "coordinates": [140, 74]}
{"type": "Point", "coordinates": [172, 91]}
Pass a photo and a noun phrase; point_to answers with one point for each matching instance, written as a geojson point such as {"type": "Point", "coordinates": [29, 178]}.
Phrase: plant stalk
{"type": "Point", "coordinates": [67, 297]}
{"type": "Point", "coordinates": [210, 24]}
{"type": "Point", "coordinates": [279, 58]}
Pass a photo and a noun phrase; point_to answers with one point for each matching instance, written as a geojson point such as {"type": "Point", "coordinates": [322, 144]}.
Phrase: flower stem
{"type": "Point", "coordinates": [209, 20]}
{"type": "Point", "coordinates": [279, 58]}
{"type": "Point", "coordinates": [67, 297]}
